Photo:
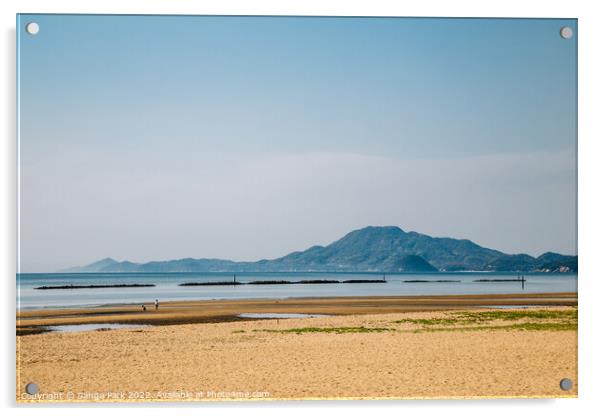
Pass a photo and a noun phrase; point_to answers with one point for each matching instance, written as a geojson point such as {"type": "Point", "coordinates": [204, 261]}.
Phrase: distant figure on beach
{"type": "Point", "coordinates": [143, 308]}
{"type": "Point", "coordinates": [156, 304]}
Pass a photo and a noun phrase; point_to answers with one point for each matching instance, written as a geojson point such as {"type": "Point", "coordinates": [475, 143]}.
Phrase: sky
{"type": "Point", "coordinates": [159, 137]}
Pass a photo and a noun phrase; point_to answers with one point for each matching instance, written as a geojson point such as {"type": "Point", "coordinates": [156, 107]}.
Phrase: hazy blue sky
{"type": "Point", "coordinates": [148, 138]}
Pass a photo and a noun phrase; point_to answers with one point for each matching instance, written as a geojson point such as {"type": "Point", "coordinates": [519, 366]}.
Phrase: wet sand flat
{"type": "Point", "coordinates": [33, 321]}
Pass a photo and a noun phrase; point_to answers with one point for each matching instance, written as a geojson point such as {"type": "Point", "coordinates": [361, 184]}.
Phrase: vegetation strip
{"type": "Point", "coordinates": [327, 330]}
{"type": "Point", "coordinates": [525, 326]}
{"type": "Point", "coordinates": [554, 320]}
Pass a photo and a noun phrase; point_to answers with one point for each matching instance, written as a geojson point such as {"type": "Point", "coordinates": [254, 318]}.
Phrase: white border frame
{"type": "Point", "coordinates": [590, 30]}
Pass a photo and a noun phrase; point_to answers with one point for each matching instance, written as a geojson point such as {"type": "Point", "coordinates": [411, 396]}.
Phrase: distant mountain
{"type": "Point", "coordinates": [97, 266]}
{"type": "Point", "coordinates": [370, 249]}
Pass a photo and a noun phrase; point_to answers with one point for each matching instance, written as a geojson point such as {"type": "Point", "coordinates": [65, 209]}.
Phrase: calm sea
{"type": "Point", "coordinates": [167, 288]}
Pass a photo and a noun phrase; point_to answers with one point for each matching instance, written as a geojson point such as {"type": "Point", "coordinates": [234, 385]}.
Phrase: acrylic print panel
{"type": "Point", "coordinates": [270, 208]}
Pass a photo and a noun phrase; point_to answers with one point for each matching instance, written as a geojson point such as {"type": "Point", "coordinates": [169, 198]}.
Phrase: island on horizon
{"type": "Point", "coordinates": [386, 249]}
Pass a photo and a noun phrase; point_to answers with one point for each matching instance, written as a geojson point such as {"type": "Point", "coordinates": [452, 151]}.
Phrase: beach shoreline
{"type": "Point", "coordinates": [214, 311]}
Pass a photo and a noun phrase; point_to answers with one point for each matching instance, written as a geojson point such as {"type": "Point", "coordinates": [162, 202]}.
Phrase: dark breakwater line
{"type": "Point", "coordinates": [232, 283]}
{"type": "Point", "coordinates": [94, 286]}
{"type": "Point", "coordinates": [281, 282]}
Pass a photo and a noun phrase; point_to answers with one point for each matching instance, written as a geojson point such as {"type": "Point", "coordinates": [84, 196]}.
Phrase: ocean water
{"type": "Point", "coordinates": [167, 288]}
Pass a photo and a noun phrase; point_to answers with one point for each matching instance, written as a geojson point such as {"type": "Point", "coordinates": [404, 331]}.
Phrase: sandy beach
{"type": "Point", "coordinates": [389, 347]}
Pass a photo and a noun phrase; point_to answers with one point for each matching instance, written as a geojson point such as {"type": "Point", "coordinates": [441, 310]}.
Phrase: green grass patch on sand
{"type": "Point", "coordinates": [513, 315]}
{"type": "Point", "coordinates": [328, 330]}
{"type": "Point", "coordinates": [429, 322]}
{"type": "Point", "coordinates": [529, 320]}
{"type": "Point", "coordinates": [518, 320]}
{"type": "Point", "coordinates": [523, 326]}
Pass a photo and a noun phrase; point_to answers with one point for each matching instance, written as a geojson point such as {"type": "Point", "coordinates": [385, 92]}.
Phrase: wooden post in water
{"type": "Point", "coordinates": [523, 281]}
{"type": "Point", "coordinates": [234, 277]}
{"type": "Point", "coordinates": [384, 278]}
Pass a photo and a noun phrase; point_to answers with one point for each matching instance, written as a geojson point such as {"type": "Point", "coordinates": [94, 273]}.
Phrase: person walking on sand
{"type": "Point", "coordinates": [156, 304]}
{"type": "Point", "coordinates": [143, 307]}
